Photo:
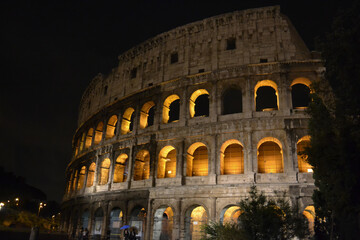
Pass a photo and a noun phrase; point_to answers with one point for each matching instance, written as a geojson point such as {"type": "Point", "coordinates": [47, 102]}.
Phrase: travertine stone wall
{"type": "Point", "coordinates": [267, 48]}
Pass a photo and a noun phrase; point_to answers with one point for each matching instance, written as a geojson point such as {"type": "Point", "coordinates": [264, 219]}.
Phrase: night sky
{"type": "Point", "coordinates": [52, 49]}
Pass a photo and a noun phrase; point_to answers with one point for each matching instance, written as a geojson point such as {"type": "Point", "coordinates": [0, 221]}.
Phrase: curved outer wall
{"type": "Point", "coordinates": [267, 47]}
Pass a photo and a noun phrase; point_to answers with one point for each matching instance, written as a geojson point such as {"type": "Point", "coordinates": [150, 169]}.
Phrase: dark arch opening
{"type": "Point", "coordinates": [232, 101]}
{"type": "Point", "coordinates": [174, 112]}
{"type": "Point", "coordinates": [151, 115]}
{"type": "Point", "coordinates": [202, 106]}
{"type": "Point", "coordinates": [132, 118]}
{"type": "Point", "coordinates": [300, 95]}
{"type": "Point", "coordinates": [266, 99]}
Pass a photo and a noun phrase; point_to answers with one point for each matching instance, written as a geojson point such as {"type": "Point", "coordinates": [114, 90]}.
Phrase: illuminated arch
{"type": "Point", "coordinates": [82, 142]}
{"type": "Point", "coordinates": [111, 127]}
{"type": "Point", "coordinates": [167, 162]}
{"type": "Point", "coordinates": [266, 102]}
{"type": "Point", "coordinates": [232, 101]}
{"type": "Point", "coordinates": [142, 165]}
{"type": "Point", "coordinates": [195, 218]}
{"type": "Point", "coordinates": [104, 171]}
{"type": "Point", "coordinates": [230, 214]}
{"type": "Point", "coordinates": [127, 121]}
{"type": "Point", "coordinates": [163, 223]}
{"type": "Point", "coordinates": [147, 115]}
{"type": "Point", "coordinates": [197, 162]}
{"type": "Point", "coordinates": [301, 80]}
{"type": "Point", "coordinates": [98, 133]}
{"type": "Point", "coordinates": [81, 180]}
{"type": "Point", "coordinates": [77, 147]}
{"type": "Point", "coordinates": [170, 112]}
{"type": "Point", "coordinates": [269, 155]}
{"type": "Point", "coordinates": [309, 213]}
{"type": "Point", "coordinates": [97, 223]}
{"type": "Point", "coordinates": [231, 157]}
{"type": "Point", "coordinates": [116, 221]}
{"type": "Point", "coordinates": [74, 180]}
{"type": "Point", "coordinates": [138, 218]}
{"type": "Point", "coordinates": [120, 171]}
{"type": "Point", "coordinates": [303, 165]}
{"type": "Point", "coordinates": [91, 175]}
{"type": "Point", "coordinates": [89, 137]}
{"type": "Point", "coordinates": [192, 102]}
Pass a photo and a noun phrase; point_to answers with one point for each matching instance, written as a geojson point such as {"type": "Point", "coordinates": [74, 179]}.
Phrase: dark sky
{"type": "Point", "coordinates": [52, 49]}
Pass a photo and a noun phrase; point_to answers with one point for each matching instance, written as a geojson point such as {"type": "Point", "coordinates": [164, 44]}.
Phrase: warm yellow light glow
{"type": "Point", "coordinates": [88, 138]}
{"type": "Point", "coordinates": [193, 98]}
{"type": "Point", "coordinates": [270, 156]}
{"type": "Point", "coordinates": [267, 83]}
{"type": "Point", "coordinates": [77, 147]}
{"type": "Point", "coordinates": [82, 142]}
{"type": "Point", "coordinates": [142, 165]}
{"type": "Point", "coordinates": [197, 160]}
{"type": "Point", "coordinates": [301, 80]}
{"type": "Point", "coordinates": [167, 162]}
{"type": "Point", "coordinates": [91, 175]}
{"type": "Point", "coordinates": [303, 165]}
{"type": "Point", "coordinates": [126, 121]}
{"type": "Point", "coordinates": [144, 114]}
{"type": "Point", "coordinates": [198, 218]}
{"type": "Point", "coordinates": [119, 171]}
{"type": "Point", "coordinates": [74, 180]}
{"type": "Point", "coordinates": [232, 214]}
{"type": "Point", "coordinates": [104, 171]}
{"type": "Point", "coordinates": [166, 106]}
{"type": "Point", "coordinates": [231, 157]}
{"type": "Point", "coordinates": [309, 213]}
{"type": "Point", "coordinates": [111, 127]}
{"type": "Point", "coordinates": [81, 178]}
{"type": "Point", "coordinates": [98, 133]}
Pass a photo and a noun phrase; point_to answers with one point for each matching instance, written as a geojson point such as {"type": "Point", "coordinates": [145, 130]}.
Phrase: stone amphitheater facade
{"type": "Point", "coordinates": [187, 122]}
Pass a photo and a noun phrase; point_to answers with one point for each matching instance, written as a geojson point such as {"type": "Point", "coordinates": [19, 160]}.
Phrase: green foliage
{"type": "Point", "coordinates": [227, 231]}
{"type": "Point", "coordinates": [335, 132]}
{"type": "Point", "coordinates": [262, 218]}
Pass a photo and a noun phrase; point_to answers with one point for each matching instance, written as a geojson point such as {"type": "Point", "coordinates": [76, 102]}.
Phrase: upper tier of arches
{"type": "Point", "coordinates": [266, 95]}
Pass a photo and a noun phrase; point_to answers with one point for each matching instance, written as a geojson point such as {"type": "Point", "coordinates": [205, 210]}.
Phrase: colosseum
{"type": "Point", "coordinates": [187, 122]}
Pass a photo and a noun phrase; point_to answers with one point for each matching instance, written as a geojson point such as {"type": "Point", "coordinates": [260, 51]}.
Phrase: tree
{"type": "Point", "coordinates": [335, 131]}
{"type": "Point", "coordinates": [262, 218]}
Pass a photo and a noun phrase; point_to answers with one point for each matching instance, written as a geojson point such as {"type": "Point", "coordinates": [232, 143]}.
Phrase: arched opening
{"type": "Point", "coordinates": [120, 171]}
{"type": "Point", "coordinates": [231, 158]}
{"type": "Point", "coordinates": [199, 103]}
{"type": "Point", "coordinates": [89, 137]}
{"type": "Point", "coordinates": [142, 165]}
{"type": "Point", "coordinates": [195, 217]}
{"type": "Point", "coordinates": [138, 221]}
{"type": "Point", "coordinates": [74, 181]}
{"type": "Point", "coordinates": [91, 175]}
{"type": "Point", "coordinates": [127, 121]}
{"type": "Point", "coordinates": [70, 178]}
{"type": "Point", "coordinates": [104, 171]}
{"type": "Point", "coordinates": [147, 115]}
{"type": "Point", "coordinates": [230, 214]}
{"type": "Point", "coordinates": [82, 142]}
{"type": "Point", "coordinates": [270, 156]}
{"type": "Point", "coordinates": [309, 213]}
{"type": "Point", "coordinates": [81, 178]}
{"type": "Point", "coordinates": [197, 163]}
{"type": "Point", "coordinates": [232, 101]}
{"type": "Point", "coordinates": [77, 147]}
{"type": "Point", "coordinates": [171, 109]}
{"type": "Point", "coordinates": [266, 96]}
{"type": "Point", "coordinates": [167, 163]}
{"type": "Point", "coordinates": [111, 127]}
{"type": "Point", "coordinates": [163, 224]}
{"type": "Point", "coordinates": [98, 222]}
{"type": "Point", "coordinates": [116, 222]}
{"type": "Point", "coordinates": [300, 96]}
{"type": "Point", "coordinates": [98, 133]}
{"type": "Point", "coordinates": [303, 165]}
{"type": "Point", "coordinates": [85, 219]}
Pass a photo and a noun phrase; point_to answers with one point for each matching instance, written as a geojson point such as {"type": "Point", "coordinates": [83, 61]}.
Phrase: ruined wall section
{"type": "Point", "coordinates": [260, 35]}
